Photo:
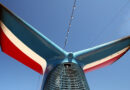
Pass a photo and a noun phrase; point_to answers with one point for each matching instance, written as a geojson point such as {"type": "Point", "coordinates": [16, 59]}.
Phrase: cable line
{"type": "Point", "coordinates": [70, 22]}
{"type": "Point", "coordinates": [110, 23]}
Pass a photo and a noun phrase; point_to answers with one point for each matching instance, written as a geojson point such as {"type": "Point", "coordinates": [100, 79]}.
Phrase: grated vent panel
{"type": "Point", "coordinates": [67, 76]}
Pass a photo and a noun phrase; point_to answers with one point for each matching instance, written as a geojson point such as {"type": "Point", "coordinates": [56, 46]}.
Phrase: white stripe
{"type": "Point", "coordinates": [104, 59]}
{"type": "Point", "coordinates": [25, 49]}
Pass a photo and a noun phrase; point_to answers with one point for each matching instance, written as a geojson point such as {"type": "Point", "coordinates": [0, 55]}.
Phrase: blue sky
{"type": "Point", "coordinates": [95, 22]}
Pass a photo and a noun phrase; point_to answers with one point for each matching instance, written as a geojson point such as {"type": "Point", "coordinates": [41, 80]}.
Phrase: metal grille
{"type": "Point", "coordinates": [67, 76]}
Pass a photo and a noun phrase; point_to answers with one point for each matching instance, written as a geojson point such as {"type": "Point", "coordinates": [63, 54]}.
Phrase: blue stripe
{"type": "Point", "coordinates": [101, 51]}
{"type": "Point", "coordinates": [31, 37]}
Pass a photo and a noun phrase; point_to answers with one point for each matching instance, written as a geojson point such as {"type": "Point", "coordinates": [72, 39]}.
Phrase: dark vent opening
{"type": "Point", "coordinates": [67, 65]}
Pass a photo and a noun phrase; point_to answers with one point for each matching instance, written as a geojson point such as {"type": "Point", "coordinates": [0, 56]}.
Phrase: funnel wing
{"type": "Point", "coordinates": [24, 43]}
{"type": "Point", "coordinates": [102, 55]}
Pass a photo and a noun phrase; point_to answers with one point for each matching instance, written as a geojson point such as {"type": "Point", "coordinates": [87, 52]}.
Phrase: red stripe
{"type": "Point", "coordinates": [105, 63]}
{"type": "Point", "coordinates": [10, 49]}
{"type": "Point", "coordinates": [0, 35]}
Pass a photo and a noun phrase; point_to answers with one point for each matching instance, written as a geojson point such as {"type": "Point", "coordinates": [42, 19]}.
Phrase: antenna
{"type": "Point", "coordinates": [70, 22]}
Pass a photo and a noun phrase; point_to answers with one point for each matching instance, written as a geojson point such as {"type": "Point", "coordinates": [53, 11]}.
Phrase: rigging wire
{"type": "Point", "coordinates": [40, 82]}
{"type": "Point", "coordinates": [70, 22]}
{"type": "Point", "coordinates": [113, 19]}
{"type": "Point", "coordinates": [37, 86]}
